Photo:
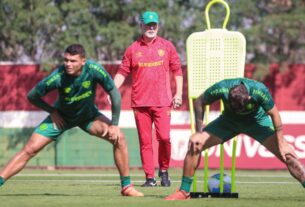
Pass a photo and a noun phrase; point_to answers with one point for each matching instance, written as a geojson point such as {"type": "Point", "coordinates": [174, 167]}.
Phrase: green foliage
{"type": "Point", "coordinates": [27, 29]}
{"type": "Point", "coordinates": [277, 34]}
{"type": "Point", "coordinates": [39, 30]}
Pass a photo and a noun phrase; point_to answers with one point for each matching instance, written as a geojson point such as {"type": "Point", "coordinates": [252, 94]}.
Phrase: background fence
{"type": "Point", "coordinates": [76, 148]}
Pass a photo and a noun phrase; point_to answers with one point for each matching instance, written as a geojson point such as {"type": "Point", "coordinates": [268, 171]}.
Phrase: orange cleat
{"type": "Point", "coordinates": [131, 191]}
{"type": "Point", "coordinates": [179, 195]}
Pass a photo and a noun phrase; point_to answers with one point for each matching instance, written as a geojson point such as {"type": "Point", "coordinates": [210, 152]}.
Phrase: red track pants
{"type": "Point", "coordinates": [159, 116]}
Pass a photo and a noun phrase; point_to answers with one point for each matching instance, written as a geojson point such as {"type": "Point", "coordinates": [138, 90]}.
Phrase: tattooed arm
{"type": "Point", "coordinates": [288, 155]}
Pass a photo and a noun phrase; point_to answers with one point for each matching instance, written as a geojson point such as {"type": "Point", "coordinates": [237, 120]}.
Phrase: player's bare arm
{"type": "Point", "coordinates": [284, 148]}
{"type": "Point", "coordinates": [114, 133]}
{"type": "Point", "coordinates": [287, 153]}
{"type": "Point", "coordinates": [199, 107]}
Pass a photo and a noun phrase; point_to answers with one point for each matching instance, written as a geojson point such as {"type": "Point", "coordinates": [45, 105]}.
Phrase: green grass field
{"type": "Point", "coordinates": [101, 188]}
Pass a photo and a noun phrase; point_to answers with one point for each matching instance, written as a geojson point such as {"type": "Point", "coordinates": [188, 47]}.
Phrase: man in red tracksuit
{"type": "Point", "coordinates": [150, 59]}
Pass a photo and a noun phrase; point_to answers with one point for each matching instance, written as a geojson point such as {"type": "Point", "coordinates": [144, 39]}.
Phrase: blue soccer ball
{"type": "Point", "coordinates": [214, 183]}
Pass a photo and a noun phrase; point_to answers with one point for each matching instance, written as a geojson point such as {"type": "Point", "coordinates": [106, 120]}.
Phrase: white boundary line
{"type": "Point", "coordinates": [134, 175]}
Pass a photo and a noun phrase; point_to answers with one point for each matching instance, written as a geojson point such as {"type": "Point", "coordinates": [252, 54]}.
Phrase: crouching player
{"type": "Point", "coordinates": [76, 81]}
{"type": "Point", "coordinates": [247, 104]}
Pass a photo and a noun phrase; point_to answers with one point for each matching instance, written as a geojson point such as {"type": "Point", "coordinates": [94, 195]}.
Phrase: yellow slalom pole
{"type": "Point", "coordinates": [192, 118]}
{"type": "Point", "coordinates": [221, 159]}
{"type": "Point", "coordinates": [206, 155]}
{"type": "Point", "coordinates": [233, 165]}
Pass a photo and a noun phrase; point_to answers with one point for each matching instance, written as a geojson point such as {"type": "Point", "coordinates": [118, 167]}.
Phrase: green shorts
{"type": "Point", "coordinates": [46, 127]}
{"type": "Point", "coordinates": [226, 128]}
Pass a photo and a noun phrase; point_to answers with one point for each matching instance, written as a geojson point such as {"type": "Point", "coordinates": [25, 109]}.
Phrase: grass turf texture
{"type": "Point", "coordinates": [101, 188]}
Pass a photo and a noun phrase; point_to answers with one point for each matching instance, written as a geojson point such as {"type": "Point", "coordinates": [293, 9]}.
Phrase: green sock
{"type": "Point", "coordinates": [186, 183]}
{"type": "Point", "coordinates": [125, 181]}
{"type": "Point", "coordinates": [304, 184]}
{"type": "Point", "coordinates": [1, 181]}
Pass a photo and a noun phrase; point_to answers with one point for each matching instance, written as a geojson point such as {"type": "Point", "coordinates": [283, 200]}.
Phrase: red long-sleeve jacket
{"type": "Point", "coordinates": [150, 66]}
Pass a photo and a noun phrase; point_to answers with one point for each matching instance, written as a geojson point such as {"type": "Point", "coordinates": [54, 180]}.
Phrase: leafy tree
{"type": "Point", "coordinates": [27, 30]}
{"type": "Point", "coordinates": [39, 30]}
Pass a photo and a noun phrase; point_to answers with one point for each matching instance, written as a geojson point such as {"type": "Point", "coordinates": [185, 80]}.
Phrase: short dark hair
{"type": "Point", "coordinates": [76, 49]}
{"type": "Point", "coordinates": [238, 98]}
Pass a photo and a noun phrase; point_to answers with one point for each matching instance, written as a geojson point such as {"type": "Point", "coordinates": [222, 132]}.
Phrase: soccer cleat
{"type": "Point", "coordinates": [131, 191]}
{"type": "Point", "coordinates": [1, 180]}
{"type": "Point", "coordinates": [179, 195]}
{"type": "Point", "coordinates": [165, 180]}
{"type": "Point", "coordinates": [150, 182]}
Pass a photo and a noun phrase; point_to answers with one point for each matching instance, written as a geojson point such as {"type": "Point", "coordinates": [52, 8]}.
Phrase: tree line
{"type": "Point", "coordinates": [39, 30]}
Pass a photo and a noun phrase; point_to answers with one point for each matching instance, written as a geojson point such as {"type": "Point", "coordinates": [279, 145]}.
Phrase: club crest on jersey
{"type": "Point", "coordinates": [86, 84]}
{"type": "Point", "coordinates": [161, 52]}
{"type": "Point", "coordinates": [43, 127]}
{"type": "Point", "coordinates": [139, 54]}
{"type": "Point", "coordinates": [67, 90]}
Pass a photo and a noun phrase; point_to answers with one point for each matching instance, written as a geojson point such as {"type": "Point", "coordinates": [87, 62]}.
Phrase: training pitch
{"type": "Point", "coordinates": [78, 188]}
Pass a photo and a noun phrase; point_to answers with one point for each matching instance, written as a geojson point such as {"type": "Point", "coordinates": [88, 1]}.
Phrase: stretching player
{"type": "Point", "coordinates": [76, 82]}
{"type": "Point", "coordinates": [247, 104]}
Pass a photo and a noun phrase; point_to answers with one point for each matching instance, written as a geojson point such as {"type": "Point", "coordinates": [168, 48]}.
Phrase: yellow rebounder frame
{"type": "Point", "coordinates": [213, 55]}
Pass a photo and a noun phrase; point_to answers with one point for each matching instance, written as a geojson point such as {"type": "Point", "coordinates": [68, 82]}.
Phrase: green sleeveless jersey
{"type": "Point", "coordinates": [76, 94]}
{"type": "Point", "coordinates": [261, 99]}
